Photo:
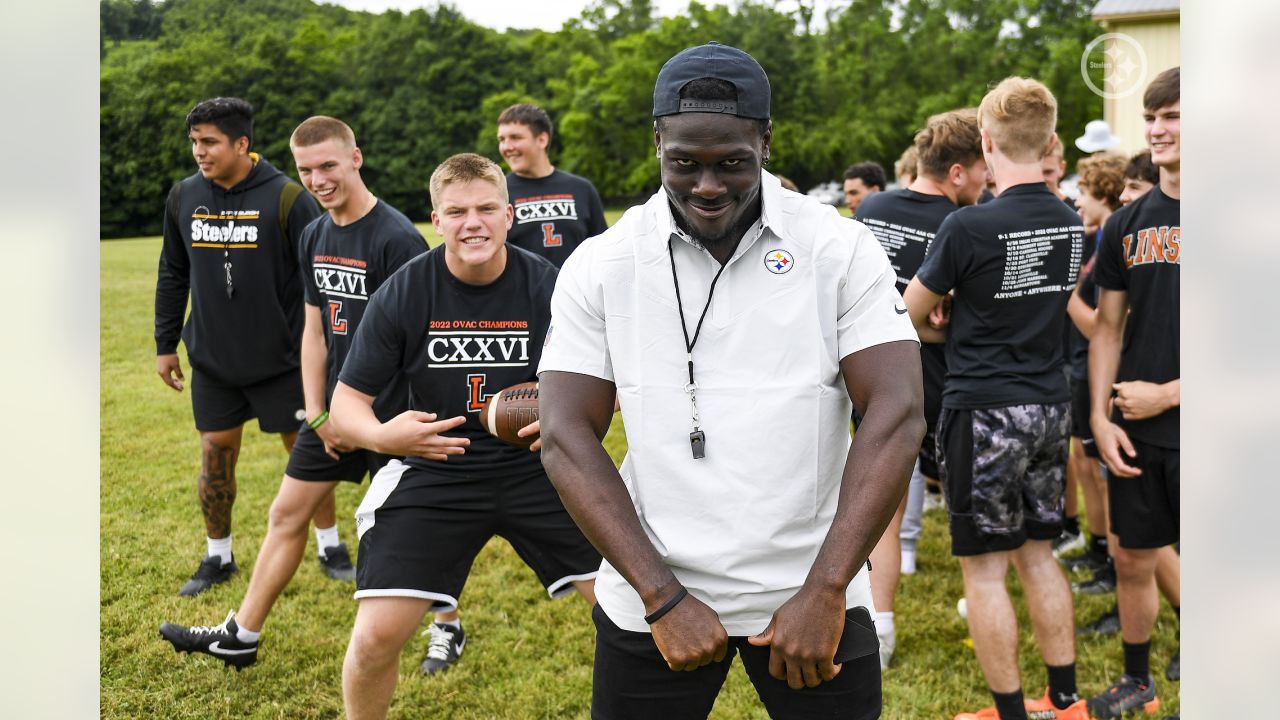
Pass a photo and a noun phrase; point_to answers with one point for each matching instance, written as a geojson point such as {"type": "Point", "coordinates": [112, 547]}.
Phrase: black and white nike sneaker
{"type": "Point", "coordinates": [444, 649]}
{"type": "Point", "coordinates": [219, 641]}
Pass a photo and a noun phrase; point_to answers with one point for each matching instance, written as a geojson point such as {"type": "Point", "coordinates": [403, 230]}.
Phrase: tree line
{"type": "Point", "coordinates": [420, 86]}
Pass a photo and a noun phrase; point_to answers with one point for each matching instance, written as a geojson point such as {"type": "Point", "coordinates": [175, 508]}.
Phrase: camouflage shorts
{"type": "Point", "coordinates": [1004, 470]}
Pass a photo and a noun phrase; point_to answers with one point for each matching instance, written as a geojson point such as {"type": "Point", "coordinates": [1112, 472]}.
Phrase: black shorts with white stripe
{"type": "Point", "coordinates": [420, 532]}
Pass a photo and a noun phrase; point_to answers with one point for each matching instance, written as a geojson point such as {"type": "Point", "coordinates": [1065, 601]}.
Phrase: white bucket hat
{"type": "Point", "coordinates": [1097, 136]}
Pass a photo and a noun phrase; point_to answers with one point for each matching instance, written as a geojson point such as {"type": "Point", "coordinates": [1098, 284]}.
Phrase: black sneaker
{"type": "Point", "coordinates": [219, 641]}
{"type": "Point", "coordinates": [1103, 582]}
{"type": "Point", "coordinates": [210, 573]}
{"type": "Point", "coordinates": [1128, 693]}
{"type": "Point", "coordinates": [1106, 624]}
{"type": "Point", "coordinates": [336, 562]}
{"type": "Point", "coordinates": [1174, 671]}
{"type": "Point", "coordinates": [444, 649]}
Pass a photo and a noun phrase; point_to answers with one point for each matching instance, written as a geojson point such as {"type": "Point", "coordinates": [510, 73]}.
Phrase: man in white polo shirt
{"type": "Point", "coordinates": [738, 327]}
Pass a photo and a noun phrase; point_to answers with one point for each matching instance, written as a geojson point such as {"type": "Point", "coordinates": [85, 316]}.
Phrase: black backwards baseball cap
{"type": "Point", "coordinates": [719, 62]}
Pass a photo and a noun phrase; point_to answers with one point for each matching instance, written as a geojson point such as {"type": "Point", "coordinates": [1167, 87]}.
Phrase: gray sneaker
{"type": "Point", "coordinates": [336, 563]}
{"type": "Point", "coordinates": [210, 572]}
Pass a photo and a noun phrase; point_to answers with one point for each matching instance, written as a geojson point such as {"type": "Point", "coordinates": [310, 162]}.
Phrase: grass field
{"type": "Point", "coordinates": [527, 657]}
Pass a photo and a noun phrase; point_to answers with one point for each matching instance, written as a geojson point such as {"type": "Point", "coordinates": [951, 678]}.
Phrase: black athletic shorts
{"type": "Point", "coordinates": [1003, 471]}
{"type": "Point", "coordinates": [934, 366]}
{"type": "Point", "coordinates": [308, 461]}
{"type": "Point", "coordinates": [1144, 509]}
{"type": "Point", "coordinates": [631, 680]}
{"type": "Point", "coordinates": [420, 531]}
{"type": "Point", "coordinates": [1080, 417]}
{"type": "Point", "coordinates": [276, 402]}
{"type": "Point", "coordinates": [928, 454]}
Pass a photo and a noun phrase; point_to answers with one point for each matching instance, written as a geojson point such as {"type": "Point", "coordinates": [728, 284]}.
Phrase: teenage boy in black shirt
{"type": "Point", "coordinates": [231, 235]}
{"type": "Point", "coordinates": [862, 180]}
{"type": "Point", "coordinates": [952, 173]}
{"type": "Point", "coordinates": [554, 210]}
{"type": "Point", "coordinates": [1135, 390]}
{"type": "Point", "coordinates": [1003, 433]}
{"type": "Point", "coordinates": [346, 255]}
{"type": "Point", "coordinates": [461, 323]}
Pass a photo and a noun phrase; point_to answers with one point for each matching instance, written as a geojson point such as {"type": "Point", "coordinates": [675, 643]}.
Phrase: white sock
{"type": "Point", "coordinates": [908, 565]}
{"type": "Point", "coordinates": [246, 636]}
{"type": "Point", "coordinates": [221, 548]}
{"type": "Point", "coordinates": [884, 624]}
{"type": "Point", "coordinates": [326, 538]}
{"type": "Point", "coordinates": [455, 624]}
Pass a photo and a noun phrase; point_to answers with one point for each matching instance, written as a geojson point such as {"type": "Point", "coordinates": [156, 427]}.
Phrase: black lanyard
{"type": "Point", "coordinates": [697, 438]}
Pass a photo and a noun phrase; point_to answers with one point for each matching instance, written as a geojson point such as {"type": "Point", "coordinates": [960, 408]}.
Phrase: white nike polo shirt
{"type": "Point", "coordinates": [806, 287]}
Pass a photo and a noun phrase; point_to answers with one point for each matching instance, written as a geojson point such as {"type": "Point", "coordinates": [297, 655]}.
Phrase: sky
{"type": "Point", "coordinates": [544, 14]}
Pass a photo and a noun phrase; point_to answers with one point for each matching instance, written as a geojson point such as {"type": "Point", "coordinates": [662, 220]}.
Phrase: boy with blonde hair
{"type": "Point", "coordinates": [426, 517]}
{"type": "Point", "coordinates": [1003, 431]}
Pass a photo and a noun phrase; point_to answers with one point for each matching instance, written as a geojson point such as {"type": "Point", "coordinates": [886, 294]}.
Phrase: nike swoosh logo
{"type": "Point", "coordinates": [903, 311]}
{"type": "Point", "coordinates": [225, 651]}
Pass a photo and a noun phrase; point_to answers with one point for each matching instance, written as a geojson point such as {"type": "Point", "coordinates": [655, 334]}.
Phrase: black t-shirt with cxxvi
{"type": "Point", "coordinates": [554, 214]}
{"type": "Point", "coordinates": [457, 344]}
{"type": "Point", "coordinates": [1013, 263]}
{"type": "Point", "coordinates": [905, 222]}
{"type": "Point", "coordinates": [342, 266]}
{"type": "Point", "coordinates": [1141, 254]}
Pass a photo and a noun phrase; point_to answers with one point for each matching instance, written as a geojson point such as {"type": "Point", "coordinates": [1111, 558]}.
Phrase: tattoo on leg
{"type": "Point", "coordinates": [217, 487]}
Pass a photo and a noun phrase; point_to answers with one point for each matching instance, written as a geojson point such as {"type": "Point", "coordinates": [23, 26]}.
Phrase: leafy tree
{"type": "Point", "coordinates": [419, 86]}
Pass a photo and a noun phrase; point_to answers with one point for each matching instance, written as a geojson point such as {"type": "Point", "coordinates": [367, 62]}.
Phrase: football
{"type": "Point", "coordinates": [510, 409]}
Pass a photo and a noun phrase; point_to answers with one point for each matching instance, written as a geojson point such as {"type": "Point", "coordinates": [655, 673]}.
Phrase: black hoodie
{"type": "Point", "coordinates": [252, 335]}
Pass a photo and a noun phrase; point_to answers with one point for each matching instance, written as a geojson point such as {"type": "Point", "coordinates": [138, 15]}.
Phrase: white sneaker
{"type": "Point", "coordinates": [887, 643]}
{"type": "Point", "coordinates": [908, 562]}
{"type": "Point", "coordinates": [933, 501]}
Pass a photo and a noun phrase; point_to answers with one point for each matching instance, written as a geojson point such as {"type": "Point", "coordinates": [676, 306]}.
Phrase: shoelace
{"type": "Point", "coordinates": [441, 641]}
{"type": "Point", "coordinates": [207, 630]}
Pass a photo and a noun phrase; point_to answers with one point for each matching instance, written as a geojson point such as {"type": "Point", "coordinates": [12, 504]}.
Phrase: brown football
{"type": "Point", "coordinates": [509, 410]}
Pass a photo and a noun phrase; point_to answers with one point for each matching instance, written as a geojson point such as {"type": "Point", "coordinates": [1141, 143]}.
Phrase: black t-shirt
{"type": "Point", "coordinates": [554, 214]}
{"type": "Point", "coordinates": [1141, 254]}
{"type": "Point", "coordinates": [457, 344]}
{"type": "Point", "coordinates": [1077, 344]}
{"type": "Point", "coordinates": [341, 267]}
{"type": "Point", "coordinates": [905, 222]}
{"type": "Point", "coordinates": [1012, 263]}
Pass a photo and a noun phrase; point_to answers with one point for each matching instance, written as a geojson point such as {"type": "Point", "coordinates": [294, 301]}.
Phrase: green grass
{"type": "Point", "coordinates": [527, 656]}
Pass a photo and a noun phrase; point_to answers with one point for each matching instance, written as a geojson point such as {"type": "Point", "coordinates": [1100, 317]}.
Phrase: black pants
{"type": "Point", "coordinates": [631, 680]}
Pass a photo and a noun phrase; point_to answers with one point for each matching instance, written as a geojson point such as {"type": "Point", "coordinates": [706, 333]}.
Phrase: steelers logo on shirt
{"type": "Point", "coordinates": [778, 262]}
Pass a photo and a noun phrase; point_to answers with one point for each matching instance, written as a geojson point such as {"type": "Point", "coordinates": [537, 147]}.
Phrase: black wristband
{"type": "Point", "coordinates": [656, 615]}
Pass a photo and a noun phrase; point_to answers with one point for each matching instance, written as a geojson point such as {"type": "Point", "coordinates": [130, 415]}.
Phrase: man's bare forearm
{"type": "Point", "coordinates": [314, 359]}
{"type": "Point", "coordinates": [352, 414]}
{"type": "Point", "coordinates": [575, 412]}
{"type": "Point", "coordinates": [1104, 351]}
{"type": "Point", "coordinates": [878, 467]}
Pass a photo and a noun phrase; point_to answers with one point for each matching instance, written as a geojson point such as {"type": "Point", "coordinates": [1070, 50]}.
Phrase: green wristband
{"type": "Point", "coordinates": [321, 419]}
